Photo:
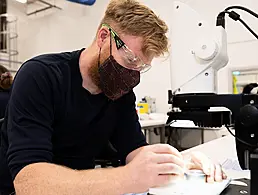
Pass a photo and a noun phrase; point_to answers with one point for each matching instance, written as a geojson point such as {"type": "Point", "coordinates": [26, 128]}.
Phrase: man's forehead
{"type": "Point", "coordinates": [135, 44]}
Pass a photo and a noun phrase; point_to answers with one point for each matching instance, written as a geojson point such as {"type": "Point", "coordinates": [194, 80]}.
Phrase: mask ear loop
{"type": "Point", "coordinates": [99, 57]}
{"type": "Point", "coordinates": [110, 46]}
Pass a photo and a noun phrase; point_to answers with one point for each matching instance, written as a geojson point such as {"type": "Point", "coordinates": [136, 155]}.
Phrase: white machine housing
{"type": "Point", "coordinates": [198, 51]}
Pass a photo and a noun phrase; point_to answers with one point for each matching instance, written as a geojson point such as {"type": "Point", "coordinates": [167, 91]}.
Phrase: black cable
{"type": "Point", "coordinates": [248, 28]}
{"type": "Point", "coordinates": [238, 139]}
{"type": "Point", "coordinates": [221, 19]}
{"type": "Point", "coordinates": [235, 16]}
{"type": "Point", "coordinates": [244, 9]}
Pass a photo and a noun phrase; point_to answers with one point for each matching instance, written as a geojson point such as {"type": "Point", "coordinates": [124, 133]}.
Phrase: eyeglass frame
{"type": "Point", "coordinates": [121, 44]}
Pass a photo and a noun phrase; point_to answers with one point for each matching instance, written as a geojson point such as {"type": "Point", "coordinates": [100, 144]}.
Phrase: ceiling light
{"type": "Point", "coordinates": [22, 1]}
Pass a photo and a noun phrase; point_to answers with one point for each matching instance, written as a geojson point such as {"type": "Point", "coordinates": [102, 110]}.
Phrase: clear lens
{"type": "Point", "coordinates": [131, 61]}
{"type": "Point", "coordinates": [145, 68]}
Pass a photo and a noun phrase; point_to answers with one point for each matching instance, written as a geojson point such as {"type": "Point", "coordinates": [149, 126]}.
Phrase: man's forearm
{"type": "Point", "coordinates": [48, 179]}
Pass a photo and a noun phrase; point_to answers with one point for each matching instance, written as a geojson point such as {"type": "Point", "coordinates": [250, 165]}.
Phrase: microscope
{"type": "Point", "coordinates": [198, 52]}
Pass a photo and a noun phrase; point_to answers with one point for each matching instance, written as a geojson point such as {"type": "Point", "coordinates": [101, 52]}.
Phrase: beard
{"type": "Point", "coordinates": [94, 69]}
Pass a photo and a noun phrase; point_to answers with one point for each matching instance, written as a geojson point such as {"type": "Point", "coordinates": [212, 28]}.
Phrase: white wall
{"type": "Point", "coordinates": [242, 46]}
{"type": "Point", "coordinates": [242, 55]}
{"type": "Point", "coordinates": [74, 27]}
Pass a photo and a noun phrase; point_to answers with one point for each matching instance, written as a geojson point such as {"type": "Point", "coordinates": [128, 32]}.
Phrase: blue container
{"type": "Point", "coordinates": [84, 2]}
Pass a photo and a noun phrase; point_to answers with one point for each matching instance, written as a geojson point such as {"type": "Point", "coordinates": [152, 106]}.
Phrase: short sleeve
{"type": "Point", "coordinates": [30, 117]}
{"type": "Point", "coordinates": [128, 135]}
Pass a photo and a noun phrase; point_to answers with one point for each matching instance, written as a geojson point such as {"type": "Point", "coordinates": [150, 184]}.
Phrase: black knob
{"type": "Point", "coordinates": [248, 115]}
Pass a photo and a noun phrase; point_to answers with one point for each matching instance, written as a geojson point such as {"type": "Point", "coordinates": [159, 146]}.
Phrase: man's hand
{"type": "Point", "coordinates": [200, 161]}
{"type": "Point", "coordinates": [153, 166]}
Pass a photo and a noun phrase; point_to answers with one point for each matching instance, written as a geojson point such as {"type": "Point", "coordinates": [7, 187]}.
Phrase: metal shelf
{"type": "Point", "coordinates": [8, 48]}
{"type": "Point", "coordinates": [40, 6]}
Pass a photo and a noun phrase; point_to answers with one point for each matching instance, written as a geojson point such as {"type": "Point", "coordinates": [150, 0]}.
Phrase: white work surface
{"type": "Point", "coordinates": [151, 123]}
{"type": "Point", "coordinates": [152, 120]}
{"type": "Point", "coordinates": [219, 150]}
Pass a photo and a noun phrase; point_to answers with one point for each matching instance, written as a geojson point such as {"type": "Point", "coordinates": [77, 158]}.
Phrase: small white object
{"type": "Point", "coordinates": [238, 183]}
{"type": "Point", "coordinates": [243, 192]}
{"type": "Point", "coordinates": [184, 123]}
{"type": "Point", "coordinates": [254, 90]}
{"type": "Point", "coordinates": [144, 117]}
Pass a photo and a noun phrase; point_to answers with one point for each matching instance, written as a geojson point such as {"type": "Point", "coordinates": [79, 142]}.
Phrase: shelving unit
{"type": "Point", "coordinates": [8, 49]}
{"type": "Point", "coordinates": [9, 35]}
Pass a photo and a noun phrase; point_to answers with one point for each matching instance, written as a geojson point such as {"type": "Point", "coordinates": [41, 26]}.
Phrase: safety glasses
{"type": "Point", "coordinates": [131, 61]}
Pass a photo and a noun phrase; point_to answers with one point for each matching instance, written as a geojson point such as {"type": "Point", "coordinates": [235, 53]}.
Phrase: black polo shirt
{"type": "Point", "coordinates": [52, 118]}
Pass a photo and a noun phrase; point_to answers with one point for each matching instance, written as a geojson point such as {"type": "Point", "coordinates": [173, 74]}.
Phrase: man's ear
{"type": "Point", "coordinates": [102, 36]}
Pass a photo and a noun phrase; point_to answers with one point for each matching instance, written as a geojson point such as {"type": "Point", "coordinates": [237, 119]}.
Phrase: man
{"type": "Point", "coordinates": [65, 108]}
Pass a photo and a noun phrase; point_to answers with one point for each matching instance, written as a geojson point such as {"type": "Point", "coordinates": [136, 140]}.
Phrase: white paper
{"type": "Point", "coordinates": [231, 164]}
{"type": "Point", "coordinates": [190, 188]}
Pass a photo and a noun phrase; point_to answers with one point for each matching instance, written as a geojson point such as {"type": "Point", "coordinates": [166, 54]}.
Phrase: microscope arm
{"type": "Point", "coordinates": [199, 50]}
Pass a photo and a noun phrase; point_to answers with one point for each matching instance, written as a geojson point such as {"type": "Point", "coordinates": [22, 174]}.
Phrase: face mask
{"type": "Point", "coordinates": [116, 80]}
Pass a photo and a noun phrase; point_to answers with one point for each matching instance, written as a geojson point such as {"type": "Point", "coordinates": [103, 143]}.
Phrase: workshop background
{"type": "Point", "coordinates": [74, 27]}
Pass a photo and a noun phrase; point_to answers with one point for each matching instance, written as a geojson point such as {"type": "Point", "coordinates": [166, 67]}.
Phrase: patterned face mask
{"type": "Point", "coordinates": [116, 80]}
